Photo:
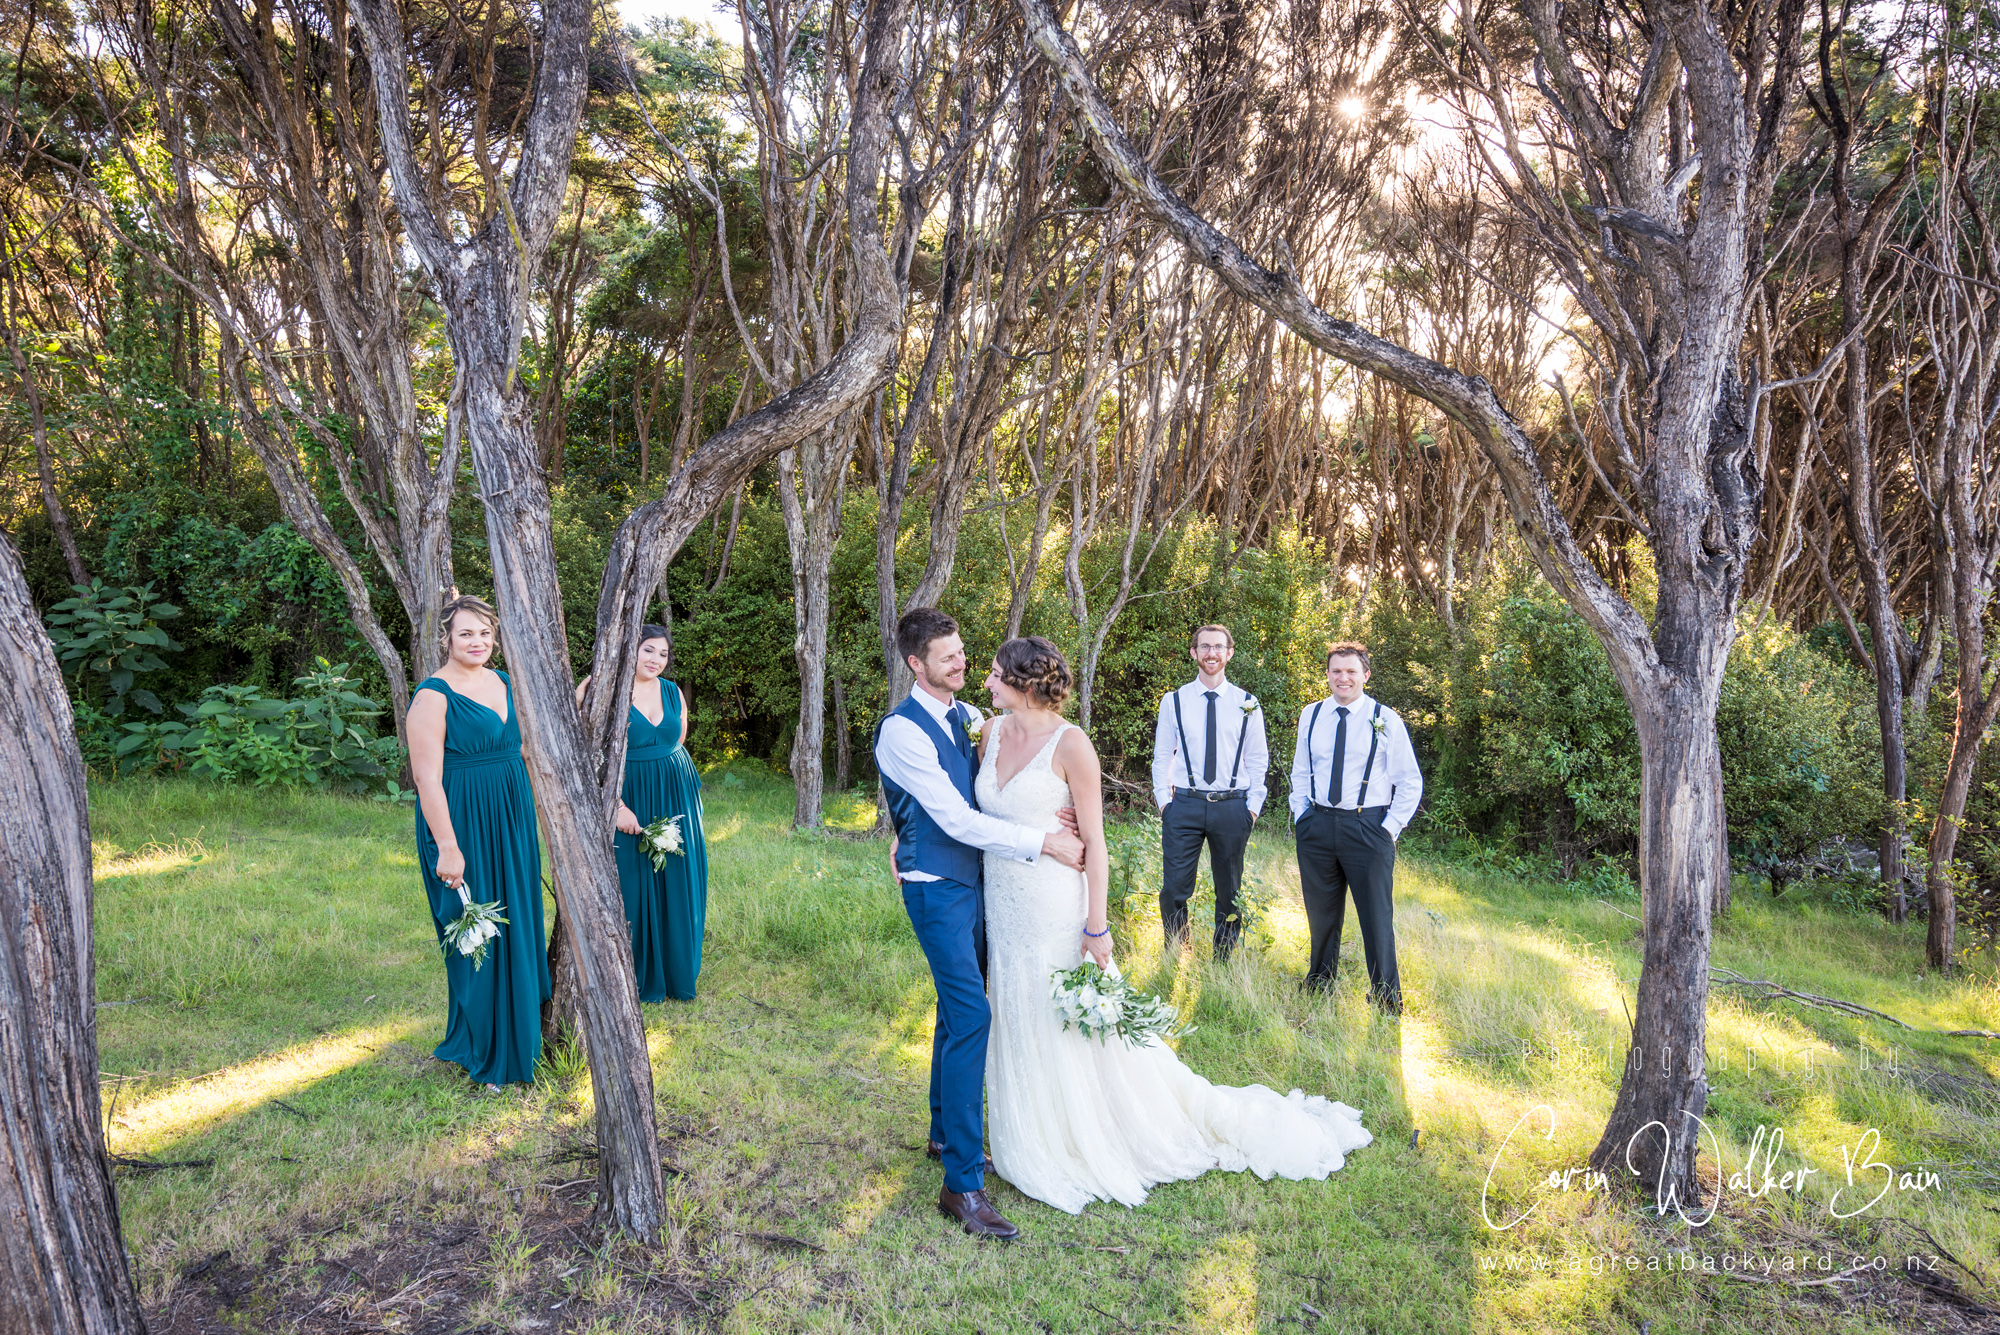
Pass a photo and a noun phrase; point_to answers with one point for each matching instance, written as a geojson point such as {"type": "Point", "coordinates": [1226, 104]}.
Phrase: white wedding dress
{"type": "Point", "coordinates": [1074, 1120]}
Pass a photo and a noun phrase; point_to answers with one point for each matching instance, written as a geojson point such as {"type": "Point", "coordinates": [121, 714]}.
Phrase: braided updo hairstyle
{"type": "Point", "coordinates": [1037, 669]}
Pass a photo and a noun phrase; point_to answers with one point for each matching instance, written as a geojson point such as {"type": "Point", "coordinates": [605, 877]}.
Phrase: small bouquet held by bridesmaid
{"type": "Point", "coordinates": [664, 836]}
{"type": "Point", "coordinates": [469, 932]}
{"type": "Point", "coordinates": [1101, 1004]}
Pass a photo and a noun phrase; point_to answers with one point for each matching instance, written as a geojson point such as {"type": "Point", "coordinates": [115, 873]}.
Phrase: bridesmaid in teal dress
{"type": "Point", "coordinates": [667, 909]}
{"type": "Point", "coordinates": [476, 828]}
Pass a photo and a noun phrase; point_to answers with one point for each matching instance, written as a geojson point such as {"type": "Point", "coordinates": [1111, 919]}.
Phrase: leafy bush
{"type": "Point", "coordinates": [236, 733]}
{"type": "Point", "coordinates": [1801, 749]}
{"type": "Point", "coordinates": [112, 633]}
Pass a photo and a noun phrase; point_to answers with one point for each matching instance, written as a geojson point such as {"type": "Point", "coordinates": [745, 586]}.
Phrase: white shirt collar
{"type": "Point", "coordinates": [1221, 692]}
{"type": "Point", "coordinates": [941, 710]}
{"type": "Point", "coordinates": [1363, 704]}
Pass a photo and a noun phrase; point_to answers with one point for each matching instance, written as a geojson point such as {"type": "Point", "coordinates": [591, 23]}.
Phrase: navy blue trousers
{"type": "Point", "coordinates": [950, 918]}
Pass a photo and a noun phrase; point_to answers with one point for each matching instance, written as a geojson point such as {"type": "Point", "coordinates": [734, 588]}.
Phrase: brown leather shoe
{"type": "Point", "coordinates": [976, 1215]}
{"type": "Point", "coordinates": [936, 1151]}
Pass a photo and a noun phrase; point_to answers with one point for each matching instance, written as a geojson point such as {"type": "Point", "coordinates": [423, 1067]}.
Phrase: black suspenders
{"type": "Point", "coordinates": [1312, 771]}
{"type": "Point", "coordinates": [1187, 758]}
{"type": "Point", "coordinates": [1374, 740]}
{"type": "Point", "coordinates": [1367, 768]}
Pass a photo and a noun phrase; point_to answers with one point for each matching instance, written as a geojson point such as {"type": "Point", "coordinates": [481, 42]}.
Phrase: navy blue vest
{"type": "Point", "coordinates": [920, 844]}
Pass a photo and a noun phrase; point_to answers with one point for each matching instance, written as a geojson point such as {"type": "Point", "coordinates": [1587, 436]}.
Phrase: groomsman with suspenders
{"type": "Point", "coordinates": [1210, 758]}
{"type": "Point", "coordinates": [1355, 785]}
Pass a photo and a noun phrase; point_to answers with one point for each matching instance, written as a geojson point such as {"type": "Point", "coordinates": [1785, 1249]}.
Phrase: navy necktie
{"type": "Point", "coordinates": [1336, 787]}
{"type": "Point", "coordinates": [959, 733]}
{"type": "Point", "coordinates": [1208, 762]}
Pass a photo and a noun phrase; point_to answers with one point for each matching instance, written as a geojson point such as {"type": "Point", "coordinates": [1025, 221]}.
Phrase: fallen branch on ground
{"type": "Point", "coordinates": [1765, 990]}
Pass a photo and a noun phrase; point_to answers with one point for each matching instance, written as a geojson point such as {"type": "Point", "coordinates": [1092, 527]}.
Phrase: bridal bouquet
{"type": "Point", "coordinates": [469, 932]}
{"type": "Point", "coordinates": [662, 837]}
{"type": "Point", "coordinates": [1102, 1003]}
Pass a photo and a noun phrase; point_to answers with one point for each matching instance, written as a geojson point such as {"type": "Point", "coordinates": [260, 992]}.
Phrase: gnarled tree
{"type": "Point", "coordinates": [1637, 102]}
{"type": "Point", "coordinates": [62, 1260]}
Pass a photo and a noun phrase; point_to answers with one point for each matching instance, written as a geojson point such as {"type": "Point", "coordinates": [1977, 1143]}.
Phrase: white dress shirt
{"type": "Point", "coordinates": [1394, 781]}
{"type": "Point", "coordinates": [908, 758]}
{"type": "Point", "coordinates": [1170, 770]}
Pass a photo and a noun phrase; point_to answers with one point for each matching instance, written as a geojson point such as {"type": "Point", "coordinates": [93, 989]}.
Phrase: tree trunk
{"type": "Point", "coordinates": [843, 747]}
{"type": "Point", "coordinates": [1941, 938]}
{"type": "Point", "coordinates": [812, 529]}
{"type": "Point", "coordinates": [1682, 860]}
{"type": "Point", "coordinates": [45, 468]}
{"type": "Point", "coordinates": [62, 1258]}
{"type": "Point", "coordinates": [1970, 582]}
{"type": "Point", "coordinates": [483, 285]}
{"type": "Point", "coordinates": [302, 511]}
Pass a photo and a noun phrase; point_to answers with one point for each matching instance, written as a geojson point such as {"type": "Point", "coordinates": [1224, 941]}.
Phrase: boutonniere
{"type": "Point", "coordinates": [973, 723]}
{"type": "Point", "coordinates": [1380, 724]}
{"type": "Point", "coordinates": [1249, 705]}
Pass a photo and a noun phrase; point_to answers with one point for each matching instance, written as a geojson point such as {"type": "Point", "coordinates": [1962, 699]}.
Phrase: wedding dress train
{"type": "Point", "coordinates": [1074, 1120]}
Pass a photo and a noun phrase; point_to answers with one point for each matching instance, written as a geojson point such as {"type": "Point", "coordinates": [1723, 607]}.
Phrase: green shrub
{"type": "Point", "coordinates": [111, 633]}
{"type": "Point", "coordinates": [235, 733]}
{"type": "Point", "coordinates": [1526, 738]}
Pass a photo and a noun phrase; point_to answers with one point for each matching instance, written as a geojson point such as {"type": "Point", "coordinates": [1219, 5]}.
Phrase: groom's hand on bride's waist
{"type": "Point", "coordinates": [1067, 815]}
{"type": "Point", "coordinates": [1064, 847]}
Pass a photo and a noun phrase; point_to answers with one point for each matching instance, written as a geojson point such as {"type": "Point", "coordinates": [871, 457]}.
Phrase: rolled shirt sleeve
{"type": "Point", "coordinates": [1165, 749]}
{"type": "Point", "coordinates": [908, 759]}
{"type": "Point", "coordinates": [1402, 773]}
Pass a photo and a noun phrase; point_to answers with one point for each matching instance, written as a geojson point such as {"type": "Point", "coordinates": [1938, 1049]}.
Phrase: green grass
{"type": "Point", "coordinates": [272, 992]}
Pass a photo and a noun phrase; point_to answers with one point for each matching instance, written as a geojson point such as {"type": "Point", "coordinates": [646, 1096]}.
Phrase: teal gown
{"type": "Point", "coordinates": [493, 1023]}
{"type": "Point", "coordinates": [667, 909]}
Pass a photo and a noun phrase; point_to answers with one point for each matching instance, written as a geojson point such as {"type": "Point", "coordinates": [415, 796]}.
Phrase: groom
{"type": "Point", "coordinates": [925, 754]}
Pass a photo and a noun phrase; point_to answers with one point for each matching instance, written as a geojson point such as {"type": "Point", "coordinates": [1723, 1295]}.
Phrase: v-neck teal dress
{"type": "Point", "coordinates": [667, 909]}
{"type": "Point", "coordinates": [493, 1017]}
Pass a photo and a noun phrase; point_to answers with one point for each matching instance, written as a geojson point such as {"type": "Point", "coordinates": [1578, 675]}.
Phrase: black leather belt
{"type": "Point", "coordinates": [1376, 812]}
{"type": "Point", "coordinates": [1219, 794]}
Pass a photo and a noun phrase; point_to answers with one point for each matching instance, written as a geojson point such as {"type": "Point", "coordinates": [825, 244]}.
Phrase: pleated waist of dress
{"type": "Point", "coordinates": [658, 751]}
{"type": "Point", "coordinates": [480, 759]}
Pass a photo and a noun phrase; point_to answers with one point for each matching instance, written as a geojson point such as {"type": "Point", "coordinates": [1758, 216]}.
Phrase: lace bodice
{"type": "Point", "coordinates": [1074, 1120]}
{"type": "Point", "coordinates": [1034, 795]}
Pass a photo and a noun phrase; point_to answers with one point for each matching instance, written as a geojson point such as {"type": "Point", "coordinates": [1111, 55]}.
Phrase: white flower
{"type": "Point", "coordinates": [1249, 705]}
{"type": "Point", "coordinates": [471, 930]}
{"type": "Point", "coordinates": [973, 722]}
{"type": "Point", "coordinates": [663, 837]}
{"type": "Point", "coordinates": [1379, 723]}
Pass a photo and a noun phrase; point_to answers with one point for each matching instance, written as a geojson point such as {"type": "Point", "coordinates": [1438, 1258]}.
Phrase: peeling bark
{"type": "Point", "coordinates": [62, 1259]}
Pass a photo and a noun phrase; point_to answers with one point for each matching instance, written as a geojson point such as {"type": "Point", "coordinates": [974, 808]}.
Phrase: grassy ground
{"type": "Point", "coordinates": [270, 993]}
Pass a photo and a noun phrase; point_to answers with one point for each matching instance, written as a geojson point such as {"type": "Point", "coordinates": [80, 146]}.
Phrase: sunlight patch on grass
{"type": "Point", "coordinates": [108, 860]}
{"type": "Point", "coordinates": [146, 1125]}
{"type": "Point", "coordinates": [877, 1192]}
{"type": "Point", "coordinates": [1221, 1292]}
{"type": "Point", "coordinates": [721, 831]}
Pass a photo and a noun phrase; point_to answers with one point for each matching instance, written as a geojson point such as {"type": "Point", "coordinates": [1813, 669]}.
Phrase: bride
{"type": "Point", "coordinates": [1073, 1119]}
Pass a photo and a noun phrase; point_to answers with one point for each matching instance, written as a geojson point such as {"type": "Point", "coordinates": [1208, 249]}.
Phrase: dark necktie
{"type": "Point", "coordinates": [963, 738]}
{"type": "Point", "coordinates": [1336, 787]}
{"type": "Point", "coordinates": [1208, 762]}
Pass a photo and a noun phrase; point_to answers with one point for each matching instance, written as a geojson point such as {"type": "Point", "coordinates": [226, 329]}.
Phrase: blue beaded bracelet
{"type": "Point", "coordinates": [1105, 932]}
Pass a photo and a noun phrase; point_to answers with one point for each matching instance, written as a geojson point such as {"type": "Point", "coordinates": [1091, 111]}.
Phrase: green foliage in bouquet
{"type": "Point", "coordinates": [1102, 1004]}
